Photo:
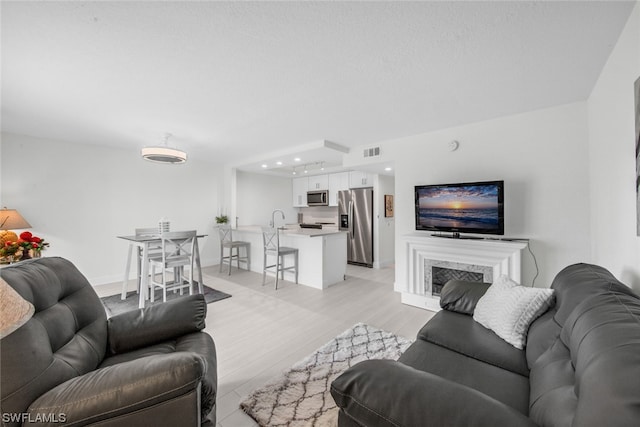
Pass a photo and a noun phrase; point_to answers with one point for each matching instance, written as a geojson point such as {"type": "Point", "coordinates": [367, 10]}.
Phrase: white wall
{"type": "Point", "coordinates": [615, 244]}
{"type": "Point", "coordinates": [257, 195]}
{"type": "Point", "coordinates": [542, 157]}
{"type": "Point", "coordinates": [80, 197]}
{"type": "Point", "coordinates": [384, 250]}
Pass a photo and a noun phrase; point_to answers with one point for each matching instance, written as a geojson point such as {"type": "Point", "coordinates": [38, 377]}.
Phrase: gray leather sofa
{"type": "Point", "coordinates": [580, 366]}
{"type": "Point", "coordinates": [69, 365]}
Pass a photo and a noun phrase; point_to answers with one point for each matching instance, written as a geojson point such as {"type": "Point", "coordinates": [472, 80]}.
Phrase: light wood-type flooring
{"type": "Point", "coordinates": [259, 331]}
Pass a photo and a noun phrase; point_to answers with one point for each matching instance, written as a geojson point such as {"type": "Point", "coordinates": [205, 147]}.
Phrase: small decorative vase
{"type": "Point", "coordinates": [37, 254]}
{"type": "Point", "coordinates": [26, 254]}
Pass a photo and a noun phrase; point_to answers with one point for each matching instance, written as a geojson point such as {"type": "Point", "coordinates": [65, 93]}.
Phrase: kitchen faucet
{"type": "Point", "coordinates": [273, 217]}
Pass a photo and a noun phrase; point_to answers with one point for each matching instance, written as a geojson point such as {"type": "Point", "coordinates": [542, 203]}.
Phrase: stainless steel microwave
{"type": "Point", "coordinates": [318, 198]}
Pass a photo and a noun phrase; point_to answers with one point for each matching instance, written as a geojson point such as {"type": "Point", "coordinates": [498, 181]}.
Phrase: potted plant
{"type": "Point", "coordinates": [222, 219]}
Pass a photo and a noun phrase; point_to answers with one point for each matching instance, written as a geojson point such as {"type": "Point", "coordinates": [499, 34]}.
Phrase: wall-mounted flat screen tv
{"type": "Point", "coordinates": [476, 207]}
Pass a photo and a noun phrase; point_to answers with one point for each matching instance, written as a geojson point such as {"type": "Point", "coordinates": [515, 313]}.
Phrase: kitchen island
{"type": "Point", "coordinates": [322, 253]}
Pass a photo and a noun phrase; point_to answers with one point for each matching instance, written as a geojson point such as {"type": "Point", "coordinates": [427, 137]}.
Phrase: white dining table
{"type": "Point", "coordinates": [144, 243]}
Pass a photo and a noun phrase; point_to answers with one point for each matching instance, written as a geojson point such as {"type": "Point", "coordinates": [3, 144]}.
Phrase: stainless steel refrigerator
{"type": "Point", "coordinates": [355, 213]}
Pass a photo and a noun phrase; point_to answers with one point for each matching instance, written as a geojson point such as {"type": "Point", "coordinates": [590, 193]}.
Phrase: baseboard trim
{"type": "Point", "coordinates": [420, 301]}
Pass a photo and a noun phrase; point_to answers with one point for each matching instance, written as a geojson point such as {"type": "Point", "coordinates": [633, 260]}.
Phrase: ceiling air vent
{"type": "Point", "coordinates": [371, 152]}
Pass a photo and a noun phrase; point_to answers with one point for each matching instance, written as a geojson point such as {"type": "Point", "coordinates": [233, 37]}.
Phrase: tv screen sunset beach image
{"type": "Point", "coordinates": [464, 207]}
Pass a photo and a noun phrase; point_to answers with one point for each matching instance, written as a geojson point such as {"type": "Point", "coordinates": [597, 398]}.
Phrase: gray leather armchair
{"type": "Point", "coordinates": [71, 364]}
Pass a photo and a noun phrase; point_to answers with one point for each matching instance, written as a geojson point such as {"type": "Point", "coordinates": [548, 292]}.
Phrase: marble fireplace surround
{"type": "Point", "coordinates": [424, 251]}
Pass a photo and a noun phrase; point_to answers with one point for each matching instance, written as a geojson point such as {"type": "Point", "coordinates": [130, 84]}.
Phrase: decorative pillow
{"type": "Point", "coordinates": [508, 309]}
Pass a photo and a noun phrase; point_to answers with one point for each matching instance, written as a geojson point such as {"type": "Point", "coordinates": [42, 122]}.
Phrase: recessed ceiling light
{"type": "Point", "coordinates": [264, 165]}
{"type": "Point", "coordinates": [387, 169]}
{"type": "Point", "coordinates": [279, 163]}
{"type": "Point", "coordinates": [297, 159]}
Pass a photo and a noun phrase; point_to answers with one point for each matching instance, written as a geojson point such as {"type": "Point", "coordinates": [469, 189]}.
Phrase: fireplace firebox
{"type": "Point", "coordinates": [438, 272]}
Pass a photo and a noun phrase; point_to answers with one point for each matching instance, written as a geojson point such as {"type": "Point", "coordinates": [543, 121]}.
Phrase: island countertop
{"type": "Point", "coordinates": [322, 253]}
{"type": "Point", "coordinates": [293, 230]}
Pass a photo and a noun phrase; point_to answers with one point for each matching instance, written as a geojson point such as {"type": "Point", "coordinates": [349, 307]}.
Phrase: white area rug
{"type": "Point", "coordinates": [301, 397]}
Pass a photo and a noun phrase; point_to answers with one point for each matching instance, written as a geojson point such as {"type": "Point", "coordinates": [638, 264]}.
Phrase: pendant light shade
{"type": "Point", "coordinates": [164, 153]}
{"type": "Point", "coordinates": [10, 219]}
{"type": "Point", "coordinates": [161, 154]}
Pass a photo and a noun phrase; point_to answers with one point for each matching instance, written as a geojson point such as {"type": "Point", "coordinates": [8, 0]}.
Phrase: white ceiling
{"type": "Point", "coordinates": [239, 82]}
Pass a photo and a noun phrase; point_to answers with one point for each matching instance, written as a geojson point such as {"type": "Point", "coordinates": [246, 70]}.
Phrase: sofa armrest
{"type": "Point", "coordinates": [122, 390]}
{"type": "Point", "coordinates": [462, 296]}
{"type": "Point", "coordinates": [389, 393]}
{"type": "Point", "coordinates": [142, 327]}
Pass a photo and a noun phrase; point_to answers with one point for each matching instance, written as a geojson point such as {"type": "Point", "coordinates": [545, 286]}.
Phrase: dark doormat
{"type": "Point", "coordinates": [114, 305]}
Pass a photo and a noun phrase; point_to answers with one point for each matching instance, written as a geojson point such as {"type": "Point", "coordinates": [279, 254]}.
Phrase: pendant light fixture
{"type": "Point", "coordinates": [164, 153]}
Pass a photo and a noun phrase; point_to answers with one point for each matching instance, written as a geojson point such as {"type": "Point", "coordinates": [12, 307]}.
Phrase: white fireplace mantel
{"type": "Point", "coordinates": [503, 256]}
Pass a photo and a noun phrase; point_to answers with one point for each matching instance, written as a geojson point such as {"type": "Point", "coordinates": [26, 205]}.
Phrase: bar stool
{"type": "Point", "coordinates": [271, 240]}
{"type": "Point", "coordinates": [226, 241]}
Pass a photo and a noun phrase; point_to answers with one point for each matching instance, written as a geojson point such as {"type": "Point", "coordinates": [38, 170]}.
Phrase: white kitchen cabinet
{"type": "Point", "coordinates": [337, 182]}
{"type": "Point", "coordinates": [319, 182]}
{"type": "Point", "coordinates": [359, 179]}
{"type": "Point", "coordinates": [300, 187]}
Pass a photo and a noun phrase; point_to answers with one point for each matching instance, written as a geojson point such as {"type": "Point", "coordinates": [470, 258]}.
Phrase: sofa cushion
{"type": "Point", "coordinates": [543, 333]}
{"type": "Point", "coordinates": [552, 379]}
{"type": "Point", "coordinates": [505, 386]}
{"type": "Point", "coordinates": [460, 333]}
{"type": "Point", "coordinates": [462, 296]}
{"type": "Point", "coordinates": [577, 282]}
{"type": "Point", "coordinates": [418, 398]}
{"type": "Point", "coordinates": [508, 309]}
{"type": "Point", "coordinates": [589, 377]}
{"type": "Point", "coordinates": [603, 337]}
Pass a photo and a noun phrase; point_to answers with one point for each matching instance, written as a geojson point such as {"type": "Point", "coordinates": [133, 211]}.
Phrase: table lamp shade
{"type": "Point", "coordinates": [15, 311]}
{"type": "Point", "coordinates": [10, 219]}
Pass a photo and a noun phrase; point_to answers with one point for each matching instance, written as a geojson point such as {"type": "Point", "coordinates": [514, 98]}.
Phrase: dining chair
{"type": "Point", "coordinates": [227, 242]}
{"type": "Point", "coordinates": [178, 252]}
{"type": "Point", "coordinates": [153, 250]}
{"type": "Point", "coordinates": [271, 240]}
